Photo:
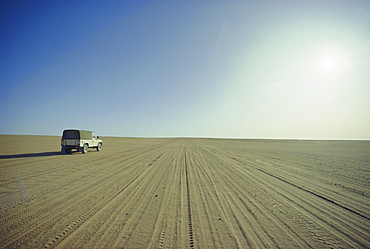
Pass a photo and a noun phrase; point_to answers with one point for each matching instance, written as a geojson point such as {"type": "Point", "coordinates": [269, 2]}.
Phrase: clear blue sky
{"type": "Point", "coordinates": [249, 69]}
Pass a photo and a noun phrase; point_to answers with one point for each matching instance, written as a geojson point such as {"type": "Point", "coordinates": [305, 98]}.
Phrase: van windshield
{"type": "Point", "coordinates": [71, 135]}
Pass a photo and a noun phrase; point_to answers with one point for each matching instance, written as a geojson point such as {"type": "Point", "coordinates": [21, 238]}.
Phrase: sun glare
{"type": "Point", "coordinates": [328, 63]}
{"type": "Point", "coordinates": [331, 59]}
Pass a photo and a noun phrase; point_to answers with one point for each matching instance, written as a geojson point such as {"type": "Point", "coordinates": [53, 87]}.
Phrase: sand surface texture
{"type": "Point", "coordinates": [184, 193]}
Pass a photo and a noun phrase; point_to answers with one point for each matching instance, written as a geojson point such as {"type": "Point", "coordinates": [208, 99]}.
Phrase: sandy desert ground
{"type": "Point", "coordinates": [185, 193]}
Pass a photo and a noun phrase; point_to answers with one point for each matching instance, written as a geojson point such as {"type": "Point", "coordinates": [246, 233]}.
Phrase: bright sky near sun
{"type": "Point", "coordinates": [243, 69]}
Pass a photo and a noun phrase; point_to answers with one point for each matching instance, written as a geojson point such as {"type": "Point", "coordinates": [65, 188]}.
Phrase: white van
{"type": "Point", "coordinates": [80, 140]}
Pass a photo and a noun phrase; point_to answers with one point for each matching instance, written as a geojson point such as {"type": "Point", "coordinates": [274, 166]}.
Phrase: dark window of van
{"type": "Point", "coordinates": [71, 134]}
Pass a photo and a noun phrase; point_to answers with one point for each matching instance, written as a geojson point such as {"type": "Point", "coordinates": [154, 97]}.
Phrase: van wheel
{"type": "Point", "coordinates": [85, 149]}
{"type": "Point", "coordinates": [99, 147]}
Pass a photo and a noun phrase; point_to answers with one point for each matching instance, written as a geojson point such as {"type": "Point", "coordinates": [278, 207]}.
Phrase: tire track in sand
{"type": "Point", "coordinates": [191, 232]}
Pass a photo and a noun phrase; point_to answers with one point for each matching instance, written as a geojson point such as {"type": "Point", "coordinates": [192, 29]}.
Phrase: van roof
{"type": "Point", "coordinates": [79, 134]}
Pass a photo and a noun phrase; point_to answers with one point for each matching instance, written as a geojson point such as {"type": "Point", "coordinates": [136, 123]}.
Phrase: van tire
{"type": "Point", "coordinates": [85, 149]}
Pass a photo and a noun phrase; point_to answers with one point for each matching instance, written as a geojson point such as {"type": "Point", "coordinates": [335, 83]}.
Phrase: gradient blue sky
{"type": "Point", "coordinates": [245, 69]}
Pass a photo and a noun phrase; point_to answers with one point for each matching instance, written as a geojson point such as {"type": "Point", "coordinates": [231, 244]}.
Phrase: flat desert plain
{"type": "Point", "coordinates": [185, 193]}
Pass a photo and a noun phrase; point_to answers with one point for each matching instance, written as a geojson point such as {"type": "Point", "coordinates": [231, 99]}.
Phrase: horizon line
{"type": "Point", "coordinates": [210, 137]}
